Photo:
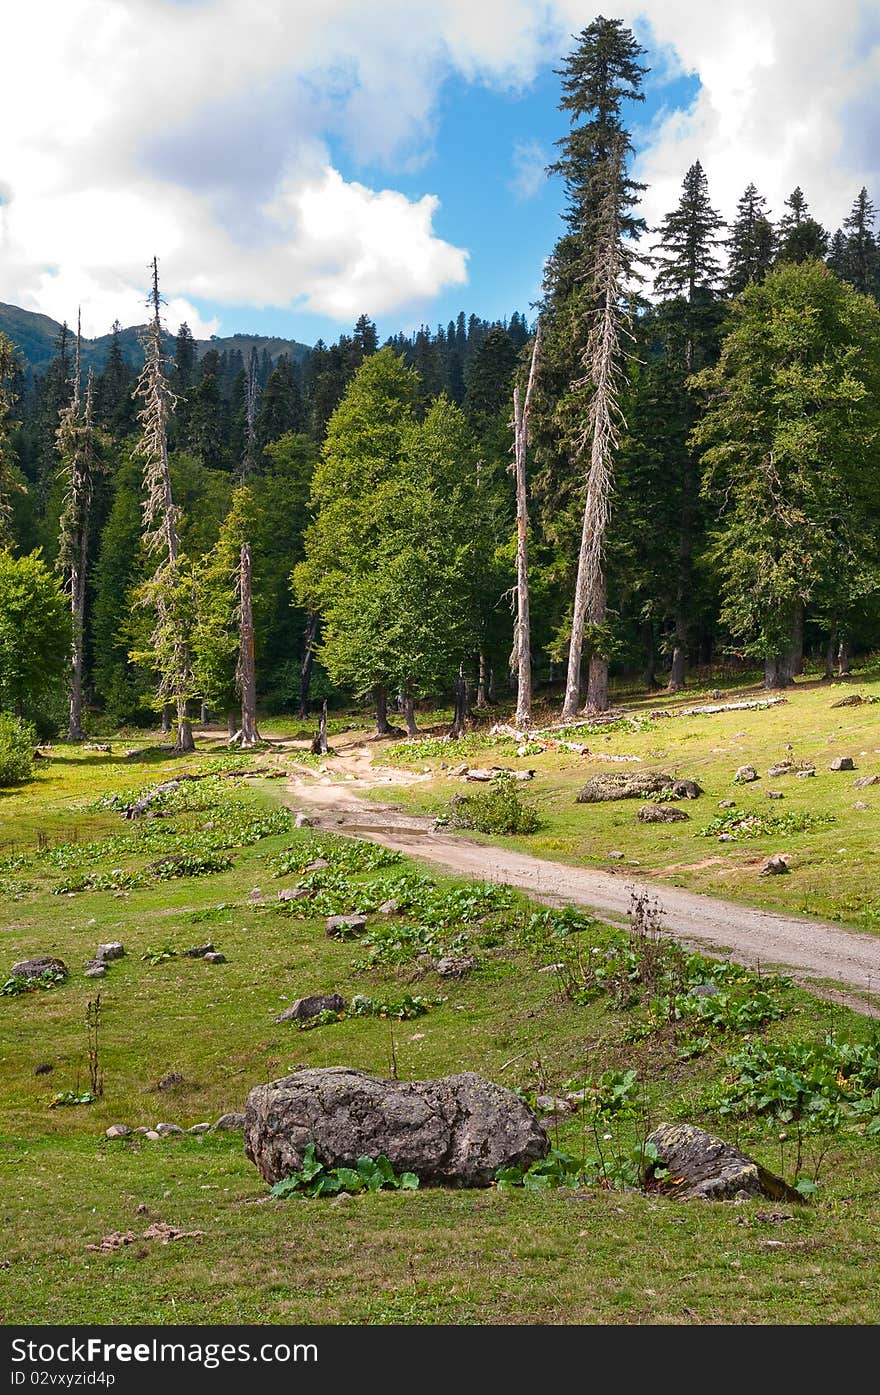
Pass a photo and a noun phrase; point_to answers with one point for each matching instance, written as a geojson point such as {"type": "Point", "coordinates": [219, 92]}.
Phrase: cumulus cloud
{"type": "Point", "coordinates": [529, 162]}
{"type": "Point", "coordinates": [199, 131]}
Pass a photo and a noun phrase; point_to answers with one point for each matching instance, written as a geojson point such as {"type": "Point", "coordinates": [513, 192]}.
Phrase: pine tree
{"type": "Point", "coordinates": [170, 591]}
{"type": "Point", "coordinates": [585, 311]}
{"type": "Point", "coordinates": [114, 408]}
{"type": "Point", "coordinates": [687, 261]}
{"type": "Point", "coordinates": [10, 478]}
{"type": "Point", "coordinates": [799, 236]}
{"type": "Point", "coordinates": [751, 243]}
{"type": "Point", "coordinates": [862, 257]}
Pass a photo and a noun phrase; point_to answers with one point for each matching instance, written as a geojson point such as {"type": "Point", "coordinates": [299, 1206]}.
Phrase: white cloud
{"type": "Point", "coordinates": [529, 162]}
{"type": "Point", "coordinates": [198, 130]}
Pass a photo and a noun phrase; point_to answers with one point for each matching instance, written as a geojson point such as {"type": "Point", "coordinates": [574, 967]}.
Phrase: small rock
{"type": "Point", "coordinates": [864, 781]}
{"type": "Point", "coordinates": [552, 1104]}
{"type": "Point", "coordinates": [662, 813]}
{"type": "Point", "coordinates": [317, 865]}
{"type": "Point", "coordinates": [727, 804]}
{"type": "Point", "coordinates": [255, 893]}
{"type": "Point", "coordinates": [777, 865]}
{"type": "Point", "coordinates": [43, 1068]}
{"type": "Point", "coordinates": [842, 763]}
{"type": "Point", "coordinates": [344, 927]}
{"type": "Point", "coordinates": [198, 951]}
{"type": "Point", "coordinates": [854, 700]}
{"type": "Point", "coordinates": [458, 772]}
{"type": "Point", "coordinates": [169, 1081]}
{"type": "Point", "coordinates": [455, 965]}
{"type": "Point", "coordinates": [390, 908]}
{"type": "Point", "coordinates": [774, 794]}
{"type": "Point", "coordinates": [860, 804]}
{"type": "Point", "coordinates": [199, 1128]}
{"type": "Point", "coordinates": [807, 773]}
{"type": "Point", "coordinates": [303, 821]}
{"type": "Point", "coordinates": [616, 855]}
{"type": "Point", "coordinates": [343, 1199]}
{"type": "Point", "coordinates": [704, 990]}
{"type": "Point", "coordinates": [746, 775]}
{"type": "Point", "coordinates": [114, 950]}
{"type": "Point", "coordinates": [166, 1130]}
{"type": "Point", "coordinates": [782, 767]}
{"type": "Point", "coordinates": [152, 1135]}
{"type": "Point", "coordinates": [228, 1123]}
{"type": "Point", "coordinates": [95, 971]}
{"type": "Point", "coordinates": [214, 957]}
{"type": "Point", "coordinates": [32, 968]}
{"type": "Point", "coordinates": [293, 893]}
{"type": "Point", "coordinates": [143, 1132]}
{"type": "Point", "coordinates": [726, 838]}
{"type": "Point", "coordinates": [305, 1008]}
{"type": "Point", "coordinates": [118, 1131]}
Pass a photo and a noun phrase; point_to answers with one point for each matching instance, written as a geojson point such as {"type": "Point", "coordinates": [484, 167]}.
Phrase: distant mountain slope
{"type": "Point", "coordinates": [36, 337]}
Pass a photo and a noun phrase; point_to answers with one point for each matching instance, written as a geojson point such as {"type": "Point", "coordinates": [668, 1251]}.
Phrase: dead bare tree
{"type": "Point", "coordinates": [601, 362]}
{"type": "Point", "coordinates": [160, 515]}
{"type": "Point", "coordinates": [522, 642]}
{"type": "Point", "coordinates": [248, 735]}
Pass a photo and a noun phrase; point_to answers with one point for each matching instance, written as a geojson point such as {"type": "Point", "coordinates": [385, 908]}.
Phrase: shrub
{"type": "Point", "coordinates": [16, 750]}
{"type": "Point", "coordinates": [498, 809]}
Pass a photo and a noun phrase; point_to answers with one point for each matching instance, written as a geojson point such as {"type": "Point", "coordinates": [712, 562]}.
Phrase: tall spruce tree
{"type": "Point", "coordinates": [751, 244]}
{"type": "Point", "coordinates": [799, 236]}
{"type": "Point", "coordinates": [585, 312]}
{"type": "Point", "coordinates": [862, 260]}
{"type": "Point", "coordinates": [10, 478]}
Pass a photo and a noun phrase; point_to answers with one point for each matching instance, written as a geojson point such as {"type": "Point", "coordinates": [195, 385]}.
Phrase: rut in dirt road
{"type": "Point", "coordinates": [836, 963]}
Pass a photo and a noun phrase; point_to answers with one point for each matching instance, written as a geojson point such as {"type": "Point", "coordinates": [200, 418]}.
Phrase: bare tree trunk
{"type": "Point", "coordinates": [830, 652]}
{"type": "Point", "coordinates": [679, 653]}
{"type": "Point", "coordinates": [597, 681]}
{"type": "Point", "coordinates": [306, 666]}
{"type": "Point", "coordinates": [166, 718]}
{"type": "Point", "coordinates": [77, 649]}
{"type": "Point", "coordinates": [204, 715]}
{"type": "Point", "coordinates": [409, 713]}
{"type": "Point", "coordinates": [522, 633]}
{"type": "Point", "coordinates": [231, 725]}
{"type": "Point", "coordinates": [246, 669]}
{"type": "Point", "coordinates": [843, 658]}
{"type": "Point", "coordinates": [184, 743]}
{"type": "Point", "coordinates": [319, 745]}
{"type": "Point", "coordinates": [492, 693]}
{"type": "Point", "coordinates": [483, 681]}
{"type": "Point", "coordinates": [459, 716]}
{"type": "Point", "coordinates": [380, 697]}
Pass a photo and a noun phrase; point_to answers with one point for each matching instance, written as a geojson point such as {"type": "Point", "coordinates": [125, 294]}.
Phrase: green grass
{"type": "Point", "coordinates": [834, 866]}
{"type": "Point", "coordinates": [431, 1256]}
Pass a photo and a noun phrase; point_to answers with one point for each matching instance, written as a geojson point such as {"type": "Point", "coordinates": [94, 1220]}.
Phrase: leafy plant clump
{"type": "Point", "coordinates": [739, 825]}
{"type": "Point", "coordinates": [22, 983]}
{"type": "Point", "coordinates": [497, 809]}
{"type": "Point", "coordinates": [817, 1083]}
{"type": "Point", "coordinates": [397, 1009]}
{"type": "Point", "coordinates": [17, 741]}
{"type": "Point", "coordinates": [449, 749]}
{"type": "Point", "coordinates": [343, 855]}
{"type": "Point", "coordinates": [70, 1098]}
{"type": "Point", "coordinates": [188, 865]}
{"type": "Point", "coordinates": [369, 1175]}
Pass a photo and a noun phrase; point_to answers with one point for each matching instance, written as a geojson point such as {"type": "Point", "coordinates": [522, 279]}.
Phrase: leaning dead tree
{"type": "Point", "coordinates": [170, 590]}
{"type": "Point", "coordinates": [521, 657]}
{"type": "Point", "coordinates": [600, 437]}
{"type": "Point", "coordinates": [76, 441]}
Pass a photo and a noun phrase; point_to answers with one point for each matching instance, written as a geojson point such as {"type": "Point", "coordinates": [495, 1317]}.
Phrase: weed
{"type": "Point", "coordinates": [369, 1174]}
{"type": "Point", "coordinates": [497, 809]}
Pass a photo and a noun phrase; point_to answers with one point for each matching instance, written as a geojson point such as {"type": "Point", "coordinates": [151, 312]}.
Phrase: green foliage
{"type": "Point", "coordinates": [369, 1175]}
{"type": "Point", "coordinates": [17, 984]}
{"type": "Point", "coordinates": [817, 1083]}
{"type": "Point", "coordinates": [71, 1097]}
{"type": "Point", "coordinates": [448, 748]}
{"type": "Point", "coordinates": [397, 1009]}
{"type": "Point", "coordinates": [160, 954]}
{"type": "Point", "coordinates": [497, 809]}
{"type": "Point", "coordinates": [34, 635]}
{"type": "Point", "coordinates": [17, 741]}
{"type": "Point", "coordinates": [755, 825]}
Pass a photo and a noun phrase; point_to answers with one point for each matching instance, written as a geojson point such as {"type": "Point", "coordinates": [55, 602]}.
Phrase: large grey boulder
{"type": "Point", "coordinates": [635, 784]}
{"type": "Point", "coordinates": [701, 1165]}
{"type": "Point", "coordinates": [458, 1130]}
{"type": "Point", "coordinates": [662, 813]}
{"type": "Point", "coordinates": [33, 968]}
{"type": "Point", "coordinates": [305, 1008]}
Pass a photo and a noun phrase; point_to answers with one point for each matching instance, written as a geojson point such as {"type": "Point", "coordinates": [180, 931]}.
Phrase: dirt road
{"type": "Point", "coordinates": [838, 963]}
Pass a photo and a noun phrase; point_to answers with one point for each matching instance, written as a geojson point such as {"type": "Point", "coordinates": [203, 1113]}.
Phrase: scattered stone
{"type": "Point", "coordinates": [864, 781]}
{"type": "Point", "coordinates": [726, 838]}
{"type": "Point", "coordinates": [345, 927]}
{"type": "Point", "coordinates": [228, 1123]}
{"type": "Point", "coordinates": [777, 865]}
{"type": "Point", "coordinates": [458, 1130]}
{"type": "Point", "coordinates": [391, 907]}
{"type": "Point", "coordinates": [662, 813]}
{"type": "Point", "coordinates": [114, 1241]}
{"type": "Point", "coordinates": [635, 784]}
{"type": "Point", "coordinates": [481, 776]}
{"type": "Point", "coordinates": [727, 804]}
{"type": "Point", "coordinates": [456, 965]}
{"type": "Point", "coordinates": [214, 957]}
{"type": "Point", "coordinates": [704, 990]}
{"type": "Point", "coordinates": [317, 865]}
{"type": "Point", "coordinates": [159, 1230]}
{"type": "Point", "coordinates": [702, 1166]}
{"type": "Point", "coordinates": [616, 856]}
{"type": "Point", "coordinates": [860, 804]}
{"type": "Point", "coordinates": [853, 700]}
{"type": "Point", "coordinates": [255, 893]}
{"type": "Point", "coordinates": [169, 1081]}
{"type": "Point", "coordinates": [305, 1008]}
{"type": "Point", "coordinates": [199, 1128]}
{"type": "Point", "coordinates": [152, 1135]}
{"type": "Point", "coordinates": [118, 1131]}
{"type": "Point", "coordinates": [294, 893]}
{"type": "Point", "coordinates": [33, 968]}
{"type": "Point", "coordinates": [95, 971]}
{"type": "Point", "coordinates": [552, 1104]}
{"type": "Point", "coordinates": [97, 746]}
{"type": "Point", "coordinates": [43, 1068]}
{"type": "Point", "coordinates": [141, 1130]}
{"type": "Point", "coordinates": [198, 951]}
{"type": "Point", "coordinates": [104, 953]}
{"type": "Point", "coordinates": [782, 767]}
{"type": "Point", "coordinates": [658, 714]}
{"type": "Point", "coordinates": [550, 968]}
{"type": "Point", "coordinates": [774, 794]}
{"type": "Point", "coordinates": [166, 1130]}
{"type": "Point", "coordinates": [807, 773]}
{"type": "Point", "coordinates": [746, 775]}
{"type": "Point", "coordinates": [842, 763]}
{"type": "Point", "coordinates": [303, 821]}
{"type": "Point", "coordinates": [458, 772]}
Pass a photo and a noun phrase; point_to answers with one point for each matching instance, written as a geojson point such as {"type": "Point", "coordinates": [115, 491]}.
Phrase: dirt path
{"type": "Point", "coordinates": [836, 963]}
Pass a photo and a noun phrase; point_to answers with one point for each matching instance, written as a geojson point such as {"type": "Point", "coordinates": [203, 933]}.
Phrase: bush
{"type": "Point", "coordinates": [17, 741]}
{"type": "Point", "coordinates": [497, 809]}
